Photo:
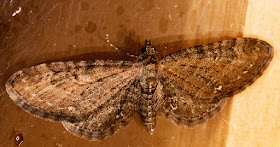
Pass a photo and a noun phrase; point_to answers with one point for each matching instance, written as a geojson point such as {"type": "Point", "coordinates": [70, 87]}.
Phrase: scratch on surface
{"type": "Point", "coordinates": [242, 27]}
{"type": "Point", "coordinates": [59, 16]}
{"type": "Point", "coordinates": [53, 8]}
{"type": "Point", "coordinates": [170, 18]}
{"type": "Point", "coordinates": [8, 65]}
{"type": "Point", "coordinates": [70, 16]}
{"type": "Point", "coordinates": [78, 15]}
{"type": "Point", "coordinates": [2, 93]}
{"type": "Point", "coordinates": [2, 98]}
{"type": "Point", "coordinates": [3, 143]}
{"type": "Point", "coordinates": [202, 13]}
{"type": "Point", "coordinates": [226, 121]}
{"type": "Point", "coordinates": [50, 11]}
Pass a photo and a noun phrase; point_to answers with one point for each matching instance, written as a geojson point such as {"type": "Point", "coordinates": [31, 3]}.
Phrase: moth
{"type": "Point", "coordinates": [93, 99]}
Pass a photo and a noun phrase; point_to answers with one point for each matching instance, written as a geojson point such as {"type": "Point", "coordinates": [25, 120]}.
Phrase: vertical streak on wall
{"type": "Point", "coordinates": [255, 112]}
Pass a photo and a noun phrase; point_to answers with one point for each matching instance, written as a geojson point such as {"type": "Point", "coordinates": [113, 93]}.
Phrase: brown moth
{"type": "Point", "coordinates": [93, 99]}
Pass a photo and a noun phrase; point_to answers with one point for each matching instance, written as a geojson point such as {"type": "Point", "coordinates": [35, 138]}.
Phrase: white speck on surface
{"type": "Point", "coordinates": [192, 111]}
{"type": "Point", "coordinates": [71, 108]}
{"type": "Point", "coordinates": [17, 138]}
{"type": "Point", "coordinates": [58, 144]}
{"type": "Point", "coordinates": [219, 88]}
{"type": "Point", "coordinates": [245, 71]}
{"type": "Point", "coordinates": [17, 11]}
{"type": "Point", "coordinates": [157, 7]}
{"type": "Point", "coordinates": [173, 107]}
{"type": "Point", "coordinates": [152, 131]}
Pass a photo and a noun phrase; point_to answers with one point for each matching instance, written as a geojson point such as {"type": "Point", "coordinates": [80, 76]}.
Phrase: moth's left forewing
{"type": "Point", "coordinates": [68, 90]}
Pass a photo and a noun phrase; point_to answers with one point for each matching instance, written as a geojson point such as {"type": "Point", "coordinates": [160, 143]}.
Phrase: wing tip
{"type": "Point", "coordinates": [20, 101]}
{"type": "Point", "coordinates": [11, 91]}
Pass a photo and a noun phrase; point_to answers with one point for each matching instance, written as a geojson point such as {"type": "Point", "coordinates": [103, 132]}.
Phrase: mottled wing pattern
{"type": "Point", "coordinates": [110, 116]}
{"type": "Point", "coordinates": [195, 80]}
{"type": "Point", "coordinates": [69, 91]}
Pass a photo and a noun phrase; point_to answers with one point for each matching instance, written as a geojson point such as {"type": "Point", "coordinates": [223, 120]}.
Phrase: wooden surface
{"type": "Point", "coordinates": [46, 31]}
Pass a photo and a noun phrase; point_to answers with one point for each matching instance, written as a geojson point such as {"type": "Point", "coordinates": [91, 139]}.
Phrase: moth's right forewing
{"type": "Point", "coordinates": [196, 80]}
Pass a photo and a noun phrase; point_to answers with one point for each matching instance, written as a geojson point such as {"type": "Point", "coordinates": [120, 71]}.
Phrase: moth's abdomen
{"type": "Point", "coordinates": [148, 111]}
{"type": "Point", "coordinates": [148, 102]}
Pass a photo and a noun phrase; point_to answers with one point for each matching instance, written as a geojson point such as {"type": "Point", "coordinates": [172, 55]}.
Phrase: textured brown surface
{"type": "Point", "coordinates": [44, 32]}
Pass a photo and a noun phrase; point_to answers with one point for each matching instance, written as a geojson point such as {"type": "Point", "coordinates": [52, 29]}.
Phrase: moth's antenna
{"type": "Point", "coordinates": [129, 54]}
{"type": "Point", "coordinates": [147, 42]}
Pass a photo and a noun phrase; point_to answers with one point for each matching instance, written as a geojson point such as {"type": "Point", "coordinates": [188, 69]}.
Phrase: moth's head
{"type": "Point", "coordinates": [149, 54]}
{"type": "Point", "coordinates": [148, 48]}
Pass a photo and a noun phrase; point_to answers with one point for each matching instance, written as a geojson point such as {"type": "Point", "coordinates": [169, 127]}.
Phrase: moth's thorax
{"type": "Point", "coordinates": [148, 80]}
{"type": "Point", "coordinates": [149, 58]}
